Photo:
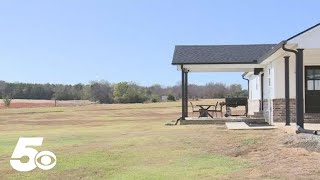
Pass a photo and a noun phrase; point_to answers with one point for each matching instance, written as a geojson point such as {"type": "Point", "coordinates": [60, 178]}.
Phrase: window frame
{"type": "Point", "coordinates": [314, 78]}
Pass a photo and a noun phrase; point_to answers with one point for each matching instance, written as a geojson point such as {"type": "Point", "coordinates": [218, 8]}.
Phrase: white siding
{"type": "Point", "coordinates": [254, 94]}
{"type": "Point", "coordinates": [311, 58]}
{"type": "Point", "coordinates": [279, 80]}
{"type": "Point", "coordinates": [255, 87]}
{"type": "Point", "coordinates": [268, 90]}
{"type": "Point", "coordinates": [309, 39]}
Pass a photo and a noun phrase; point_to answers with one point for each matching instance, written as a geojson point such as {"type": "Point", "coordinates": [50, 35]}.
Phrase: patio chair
{"type": "Point", "coordinates": [193, 109]}
{"type": "Point", "coordinates": [216, 110]}
{"type": "Point", "coordinates": [221, 107]}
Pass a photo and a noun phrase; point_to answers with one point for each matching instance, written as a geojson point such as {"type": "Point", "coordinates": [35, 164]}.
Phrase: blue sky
{"type": "Point", "coordinates": [72, 41]}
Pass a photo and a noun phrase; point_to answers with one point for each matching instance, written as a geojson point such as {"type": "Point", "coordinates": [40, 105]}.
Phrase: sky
{"type": "Point", "coordinates": [76, 41]}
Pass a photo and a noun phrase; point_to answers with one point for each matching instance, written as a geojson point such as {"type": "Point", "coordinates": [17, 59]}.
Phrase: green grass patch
{"type": "Point", "coordinates": [249, 141]}
{"type": "Point", "coordinates": [193, 166]}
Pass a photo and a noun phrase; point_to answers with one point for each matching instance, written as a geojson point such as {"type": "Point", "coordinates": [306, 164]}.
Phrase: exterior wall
{"type": "Point", "coordinates": [254, 94]}
{"type": "Point", "coordinates": [274, 92]}
{"type": "Point", "coordinates": [266, 113]}
{"type": "Point", "coordinates": [253, 106]}
{"type": "Point", "coordinates": [279, 85]}
{"type": "Point", "coordinates": [307, 40]}
{"type": "Point", "coordinates": [268, 92]}
{"type": "Point", "coordinates": [255, 87]}
{"type": "Point", "coordinates": [311, 58]}
{"type": "Point", "coordinates": [279, 110]}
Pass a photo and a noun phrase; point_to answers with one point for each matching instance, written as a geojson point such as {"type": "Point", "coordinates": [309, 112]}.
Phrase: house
{"type": "Point", "coordinates": [164, 98]}
{"type": "Point", "coordinates": [283, 78]}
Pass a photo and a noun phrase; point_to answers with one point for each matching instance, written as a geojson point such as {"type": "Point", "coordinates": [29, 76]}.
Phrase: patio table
{"type": "Point", "coordinates": [204, 110]}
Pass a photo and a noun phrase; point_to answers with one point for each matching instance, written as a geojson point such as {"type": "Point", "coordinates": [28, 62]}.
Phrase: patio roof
{"type": "Point", "coordinates": [220, 54]}
{"type": "Point", "coordinates": [231, 57]}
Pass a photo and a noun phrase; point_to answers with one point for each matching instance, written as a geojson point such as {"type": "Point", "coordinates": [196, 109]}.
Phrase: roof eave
{"type": "Point", "coordinates": [254, 62]}
{"type": "Point", "coordinates": [268, 54]}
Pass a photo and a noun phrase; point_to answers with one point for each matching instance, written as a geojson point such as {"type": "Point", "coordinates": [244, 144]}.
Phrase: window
{"type": "Point", "coordinates": [269, 78]}
{"type": "Point", "coordinates": [313, 79]}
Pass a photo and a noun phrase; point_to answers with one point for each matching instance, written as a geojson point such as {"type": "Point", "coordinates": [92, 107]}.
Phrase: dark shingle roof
{"type": "Point", "coordinates": [220, 54]}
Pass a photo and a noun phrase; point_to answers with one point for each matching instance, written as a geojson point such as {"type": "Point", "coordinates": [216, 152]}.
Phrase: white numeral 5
{"type": "Point", "coordinates": [21, 150]}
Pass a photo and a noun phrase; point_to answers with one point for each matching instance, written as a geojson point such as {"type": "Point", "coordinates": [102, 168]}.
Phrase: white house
{"type": "Point", "coordinates": [267, 85]}
{"type": "Point", "coordinates": [284, 78]}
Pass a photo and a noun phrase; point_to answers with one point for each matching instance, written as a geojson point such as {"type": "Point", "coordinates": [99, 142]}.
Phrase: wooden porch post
{"type": "Point", "coordinates": [186, 93]}
{"type": "Point", "coordinates": [287, 89]}
{"type": "Point", "coordinates": [183, 117]}
{"type": "Point", "coordinates": [299, 89]}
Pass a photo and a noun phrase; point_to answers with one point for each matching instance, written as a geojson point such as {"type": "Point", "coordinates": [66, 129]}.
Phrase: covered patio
{"type": "Point", "coordinates": [216, 58]}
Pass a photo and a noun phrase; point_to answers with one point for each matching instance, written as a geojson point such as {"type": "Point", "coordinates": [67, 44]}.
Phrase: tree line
{"type": "Point", "coordinates": [122, 92]}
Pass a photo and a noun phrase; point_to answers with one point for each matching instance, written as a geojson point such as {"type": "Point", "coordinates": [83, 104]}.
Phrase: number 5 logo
{"type": "Point", "coordinates": [22, 149]}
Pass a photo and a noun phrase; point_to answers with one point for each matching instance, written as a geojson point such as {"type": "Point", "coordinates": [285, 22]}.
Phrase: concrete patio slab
{"type": "Point", "coordinates": [293, 127]}
{"type": "Point", "coordinates": [244, 126]}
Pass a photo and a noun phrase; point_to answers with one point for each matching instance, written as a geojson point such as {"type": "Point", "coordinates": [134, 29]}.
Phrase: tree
{"type": "Point", "coordinates": [125, 92]}
{"type": "Point", "coordinates": [171, 98]}
{"type": "Point", "coordinates": [235, 90]}
{"type": "Point", "coordinates": [3, 86]}
{"type": "Point", "coordinates": [101, 92]}
{"type": "Point", "coordinates": [62, 92]}
{"type": "Point", "coordinates": [7, 100]}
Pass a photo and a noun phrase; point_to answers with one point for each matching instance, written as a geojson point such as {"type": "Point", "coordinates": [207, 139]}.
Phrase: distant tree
{"type": "Point", "coordinates": [86, 92]}
{"type": "Point", "coordinates": [171, 98]}
{"type": "Point", "coordinates": [155, 98]}
{"type": "Point", "coordinates": [235, 90]}
{"type": "Point", "coordinates": [7, 100]}
{"type": "Point", "coordinates": [125, 92]}
{"type": "Point", "coordinates": [3, 86]}
{"type": "Point", "coordinates": [63, 92]}
{"type": "Point", "coordinates": [101, 92]}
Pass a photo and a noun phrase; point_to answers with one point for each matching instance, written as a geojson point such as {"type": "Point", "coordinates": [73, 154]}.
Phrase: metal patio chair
{"type": "Point", "coordinates": [194, 110]}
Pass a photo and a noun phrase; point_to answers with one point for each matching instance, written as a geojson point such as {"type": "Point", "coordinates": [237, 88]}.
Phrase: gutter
{"type": "Point", "coordinates": [283, 43]}
{"type": "Point", "coordinates": [247, 81]}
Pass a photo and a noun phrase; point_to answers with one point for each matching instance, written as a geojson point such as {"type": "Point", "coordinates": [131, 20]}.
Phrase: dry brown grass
{"type": "Point", "coordinates": [131, 142]}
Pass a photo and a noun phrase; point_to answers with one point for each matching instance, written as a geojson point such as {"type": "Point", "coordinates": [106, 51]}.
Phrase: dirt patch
{"type": "Point", "coordinates": [309, 142]}
{"type": "Point", "coordinates": [28, 103]}
{"type": "Point", "coordinates": [56, 122]}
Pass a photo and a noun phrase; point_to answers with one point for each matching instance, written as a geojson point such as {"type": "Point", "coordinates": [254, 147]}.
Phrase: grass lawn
{"type": "Point", "coordinates": [132, 142]}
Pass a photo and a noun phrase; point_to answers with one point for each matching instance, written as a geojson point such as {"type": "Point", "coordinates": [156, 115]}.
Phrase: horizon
{"type": "Point", "coordinates": [78, 41]}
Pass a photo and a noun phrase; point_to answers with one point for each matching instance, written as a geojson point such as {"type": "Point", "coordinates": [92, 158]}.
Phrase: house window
{"type": "Point", "coordinates": [313, 79]}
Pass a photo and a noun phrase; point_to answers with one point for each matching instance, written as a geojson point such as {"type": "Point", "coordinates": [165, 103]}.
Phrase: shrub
{"type": "Point", "coordinates": [171, 98]}
{"type": "Point", "coordinates": [125, 92]}
{"type": "Point", "coordinates": [155, 99]}
{"type": "Point", "coordinates": [101, 92]}
{"type": "Point", "coordinates": [7, 100]}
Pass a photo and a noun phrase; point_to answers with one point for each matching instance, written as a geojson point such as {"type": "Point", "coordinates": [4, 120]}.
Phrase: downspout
{"type": "Point", "coordinates": [247, 82]}
{"type": "Point", "coordinates": [248, 91]}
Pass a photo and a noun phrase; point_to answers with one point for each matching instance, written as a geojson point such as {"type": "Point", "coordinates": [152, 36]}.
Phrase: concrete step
{"type": "Point", "coordinates": [258, 114]}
